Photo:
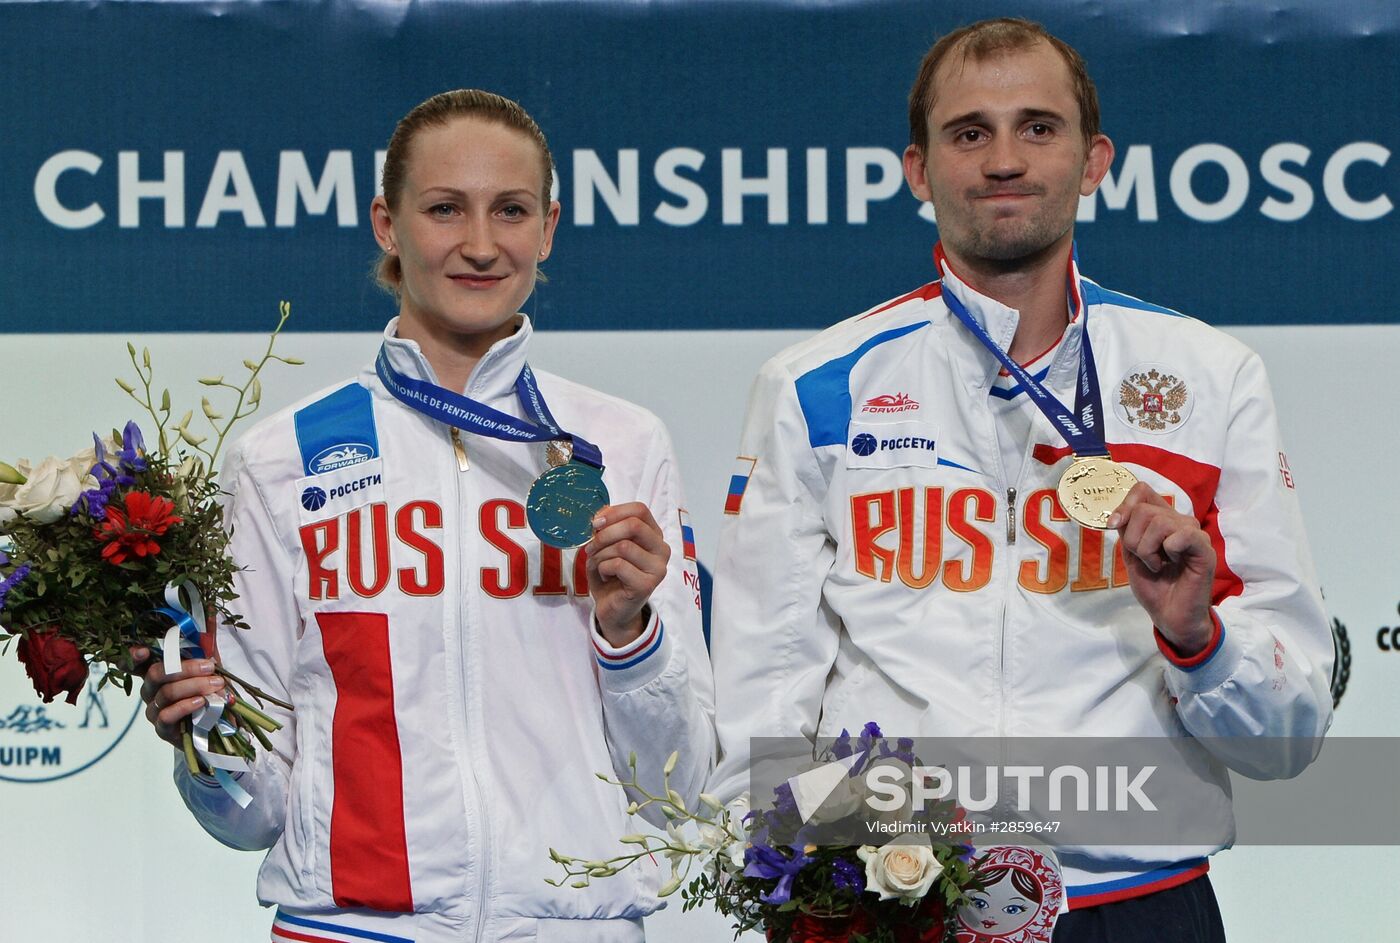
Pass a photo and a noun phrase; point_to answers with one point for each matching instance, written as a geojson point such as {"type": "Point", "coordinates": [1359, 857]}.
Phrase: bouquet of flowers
{"type": "Point", "coordinates": [792, 870]}
{"type": "Point", "coordinates": [123, 546]}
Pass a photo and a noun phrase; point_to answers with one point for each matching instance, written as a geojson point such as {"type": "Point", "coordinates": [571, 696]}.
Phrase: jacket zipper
{"type": "Point", "coordinates": [1006, 590]}
{"type": "Point", "coordinates": [1001, 640]}
{"type": "Point", "coordinates": [483, 830]}
{"type": "Point", "coordinates": [462, 463]}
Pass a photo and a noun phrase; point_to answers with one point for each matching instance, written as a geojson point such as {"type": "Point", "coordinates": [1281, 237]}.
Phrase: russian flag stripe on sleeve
{"type": "Point", "coordinates": [303, 930]}
{"type": "Point", "coordinates": [738, 482]}
{"type": "Point", "coordinates": [687, 536]}
{"type": "Point", "coordinates": [282, 933]}
{"type": "Point", "coordinates": [648, 642]}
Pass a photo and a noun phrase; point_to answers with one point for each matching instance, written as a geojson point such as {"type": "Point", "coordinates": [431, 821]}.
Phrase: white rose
{"type": "Point", "coordinates": [83, 462]}
{"type": "Point", "coordinates": [900, 869]}
{"type": "Point", "coordinates": [46, 496]}
{"type": "Point", "coordinates": [82, 465]}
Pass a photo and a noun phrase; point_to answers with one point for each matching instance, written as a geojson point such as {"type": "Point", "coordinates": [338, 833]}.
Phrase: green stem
{"type": "Point", "coordinates": [244, 748]}
{"type": "Point", "coordinates": [243, 392]}
{"type": "Point", "coordinates": [258, 693]}
{"type": "Point", "coordinates": [254, 716]}
{"type": "Point", "coordinates": [147, 375]}
{"type": "Point", "coordinates": [217, 743]}
{"type": "Point", "coordinates": [262, 737]}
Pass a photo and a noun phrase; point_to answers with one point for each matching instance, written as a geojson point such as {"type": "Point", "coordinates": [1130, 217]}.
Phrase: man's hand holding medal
{"type": "Point", "coordinates": [1171, 567]}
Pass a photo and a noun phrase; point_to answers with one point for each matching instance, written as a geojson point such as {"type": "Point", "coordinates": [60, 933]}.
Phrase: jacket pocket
{"type": "Point", "coordinates": [303, 793]}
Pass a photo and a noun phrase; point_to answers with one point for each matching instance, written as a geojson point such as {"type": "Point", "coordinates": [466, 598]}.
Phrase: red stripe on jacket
{"type": "Point", "coordinates": [927, 292]}
{"type": "Point", "coordinates": [368, 843]}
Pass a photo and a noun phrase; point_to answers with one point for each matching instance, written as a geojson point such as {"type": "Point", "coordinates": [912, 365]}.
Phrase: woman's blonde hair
{"type": "Point", "coordinates": [436, 112]}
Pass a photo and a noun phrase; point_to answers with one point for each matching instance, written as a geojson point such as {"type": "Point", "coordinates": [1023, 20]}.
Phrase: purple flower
{"type": "Point", "coordinates": [865, 744]}
{"type": "Point", "coordinates": [131, 437]}
{"type": "Point", "coordinates": [4, 558]}
{"type": "Point", "coordinates": [902, 750]}
{"type": "Point", "coordinates": [769, 863]}
{"type": "Point", "coordinates": [11, 581]}
{"type": "Point", "coordinates": [783, 799]}
{"type": "Point", "coordinates": [94, 501]}
{"type": "Point", "coordinates": [128, 460]}
{"type": "Point", "coordinates": [102, 469]}
{"type": "Point", "coordinates": [847, 876]}
{"type": "Point", "coordinates": [132, 446]}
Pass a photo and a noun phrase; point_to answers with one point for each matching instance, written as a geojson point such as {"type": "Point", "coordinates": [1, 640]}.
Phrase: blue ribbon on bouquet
{"type": "Point", "coordinates": [182, 640]}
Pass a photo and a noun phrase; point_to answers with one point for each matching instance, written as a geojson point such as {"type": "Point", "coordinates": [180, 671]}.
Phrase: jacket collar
{"type": "Point", "coordinates": [1000, 321]}
{"type": "Point", "coordinates": [494, 374]}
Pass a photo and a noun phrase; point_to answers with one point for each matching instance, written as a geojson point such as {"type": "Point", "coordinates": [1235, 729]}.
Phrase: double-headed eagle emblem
{"type": "Point", "coordinates": [1154, 400]}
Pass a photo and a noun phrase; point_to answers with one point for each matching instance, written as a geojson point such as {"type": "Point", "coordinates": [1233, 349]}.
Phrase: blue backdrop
{"type": "Point", "coordinates": [182, 166]}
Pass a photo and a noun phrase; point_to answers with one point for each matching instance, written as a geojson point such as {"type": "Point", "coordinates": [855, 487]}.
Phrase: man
{"type": "Point", "coordinates": [899, 548]}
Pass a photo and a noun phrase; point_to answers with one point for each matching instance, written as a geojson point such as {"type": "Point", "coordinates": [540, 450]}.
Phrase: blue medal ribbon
{"type": "Point", "coordinates": [1083, 428]}
{"type": "Point", "coordinates": [467, 414]}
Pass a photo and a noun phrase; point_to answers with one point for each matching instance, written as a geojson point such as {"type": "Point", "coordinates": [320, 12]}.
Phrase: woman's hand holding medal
{"type": "Point", "coordinates": [1171, 567]}
{"type": "Point", "coordinates": [626, 562]}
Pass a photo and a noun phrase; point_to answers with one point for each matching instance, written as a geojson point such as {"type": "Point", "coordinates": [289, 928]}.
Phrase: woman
{"type": "Point", "coordinates": [457, 683]}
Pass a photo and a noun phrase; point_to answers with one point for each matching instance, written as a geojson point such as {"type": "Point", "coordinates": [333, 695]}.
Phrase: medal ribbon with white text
{"type": "Point", "coordinates": [1083, 428]}
{"type": "Point", "coordinates": [467, 414]}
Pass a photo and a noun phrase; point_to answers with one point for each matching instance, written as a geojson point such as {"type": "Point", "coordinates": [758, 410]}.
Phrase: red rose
{"type": "Point", "coordinates": [132, 532]}
{"type": "Point", "coordinates": [933, 908]}
{"type": "Point", "coordinates": [839, 928]}
{"type": "Point", "coordinates": [53, 663]}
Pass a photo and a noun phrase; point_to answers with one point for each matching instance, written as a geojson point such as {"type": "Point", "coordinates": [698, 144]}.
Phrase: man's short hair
{"type": "Point", "coordinates": [988, 38]}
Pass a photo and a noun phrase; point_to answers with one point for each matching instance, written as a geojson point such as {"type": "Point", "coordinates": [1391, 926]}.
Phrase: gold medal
{"type": "Point", "coordinates": [1092, 488]}
{"type": "Point", "coordinates": [558, 452]}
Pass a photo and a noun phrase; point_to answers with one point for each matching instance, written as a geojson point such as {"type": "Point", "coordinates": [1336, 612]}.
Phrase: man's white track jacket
{"type": "Point", "coordinates": [878, 564]}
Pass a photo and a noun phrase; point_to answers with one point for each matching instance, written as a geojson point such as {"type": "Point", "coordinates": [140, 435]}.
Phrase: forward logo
{"type": "Point", "coordinates": [341, 456]}
{"type": "Point", "coordinates": [890, 403]}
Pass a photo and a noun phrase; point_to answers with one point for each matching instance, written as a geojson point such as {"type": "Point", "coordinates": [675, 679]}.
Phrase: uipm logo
{"type": "Point", "coordinates": [44, 742]}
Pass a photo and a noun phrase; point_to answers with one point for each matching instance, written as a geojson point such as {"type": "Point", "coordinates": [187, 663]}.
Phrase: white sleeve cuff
{"type": "Point", "coordinates": [1213, 666]}
{"type": "Point", "coordinates": [637, 662]}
